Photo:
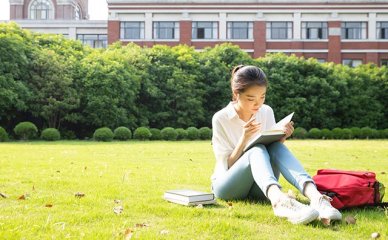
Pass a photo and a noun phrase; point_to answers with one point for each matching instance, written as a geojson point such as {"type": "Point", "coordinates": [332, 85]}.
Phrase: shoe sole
{"type": "Point", "coordinates": [307, 220]}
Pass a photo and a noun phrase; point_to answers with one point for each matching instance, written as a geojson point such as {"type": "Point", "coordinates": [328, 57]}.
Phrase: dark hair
{"type": "Point", "coordinates": [244, 77]}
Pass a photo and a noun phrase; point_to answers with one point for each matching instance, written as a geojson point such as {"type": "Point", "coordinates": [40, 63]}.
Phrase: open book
{"type": "Point", "coordinates": [272, 135]}
{"type": "Point", "coordinates": [189, 197]}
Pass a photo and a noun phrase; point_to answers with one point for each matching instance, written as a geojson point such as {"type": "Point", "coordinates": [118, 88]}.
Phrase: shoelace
{"type": "Point", "coordinates": [324, 201]}
{"type": "Point", "coordinates": [291, 204]}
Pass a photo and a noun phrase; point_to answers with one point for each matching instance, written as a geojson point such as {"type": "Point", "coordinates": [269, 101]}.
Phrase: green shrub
{"type": "Point", "coordinates": [366, 132]}
{"type": "Point", "coordinates": [68, 134]}
{"type": "Point", "coordinates": [326, 133]}
{"type": "Point", "coordinates": [169, 133]}
{"type": "Point", "coordinates": [26, 130]}
{"type": "Point", "coordinates": [314, 133]}
{"type": "Point", "coordinates": [337, 133]}
{"type": "Point", "coordinates": [3, 135]}
{"type": "Point", "coordinates": [375, 134]}
{"type": "Point", "coordinates": [299, 133]}
{"type": "Point", "coordinates": [384, 133]}
{"type": "Point", "coordinates": [205, 133]}
{"type": "Point", "coordinates": [142, 133]}
{"type": "Point", "coordinates": [50, 134]}
{"type": "Point", "coordinates": [122, 133]}
{"type": "Point", "coordinates": [356, 132]}
{"type": "Point", "coordinates": [104, 134]}
{"type": "Point", "coordinates": [192, 133]}
{"type": "Point", "coordinates": [346, 133]}
{"type": "Point", "coordinates": [155, 134]}
{"type": "Point", "coordinates": [182, 133]}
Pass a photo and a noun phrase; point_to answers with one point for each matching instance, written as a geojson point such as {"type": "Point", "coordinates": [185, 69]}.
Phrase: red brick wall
{"type": "Point", "coordinates": [185, 32]}
{"type": "Point", "coordinates": [259, 36]}
{"type": "Point", "coordinates": [334, 45]}
{"type": "Point", "coordinates": [113, 31]}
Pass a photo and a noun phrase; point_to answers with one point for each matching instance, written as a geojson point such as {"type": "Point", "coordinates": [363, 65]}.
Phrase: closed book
{"type": "Point", "coordinates": [189, 197]}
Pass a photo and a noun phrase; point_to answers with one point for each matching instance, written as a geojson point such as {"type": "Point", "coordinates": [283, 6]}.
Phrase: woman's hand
{"type": "Point", "coordinates": [288, 130]}
{"type": "Point", "coordinates": [250, 128]}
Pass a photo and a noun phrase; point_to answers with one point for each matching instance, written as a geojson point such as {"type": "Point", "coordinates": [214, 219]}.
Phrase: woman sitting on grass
{"type": "Point", "coordinates": [255, 173]}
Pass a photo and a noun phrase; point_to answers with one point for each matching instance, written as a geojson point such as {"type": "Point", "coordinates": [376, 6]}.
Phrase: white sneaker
{"type": "Point", "coordinates": [326, 211]}
{"type": "Point", "coordinates": [294, 211]}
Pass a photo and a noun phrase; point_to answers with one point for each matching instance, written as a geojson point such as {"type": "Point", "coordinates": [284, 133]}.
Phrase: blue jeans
{"type": "Point", "coordinates": [257, 169]}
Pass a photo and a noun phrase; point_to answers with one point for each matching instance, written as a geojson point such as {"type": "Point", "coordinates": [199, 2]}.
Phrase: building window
{"type": "Point", "coordinates": [240, 30]}
{"type": "Point", "coordinates": [166, 30]}
{"type": "Point", "coordinates": [94, 40]}
{"type": "Point", "coordinates": [351, 62]}
{"type": "Point", "coordinates": [41, 9]}
{"type": "Point", "coordinates": [384, 62]}
{"type": "Point", "coordinates": [205, 30]}
{"type": "Point", "coordinates": [314, 30]}
{"type": "Point", "coordinates": [132, 30]}
{"type": "Point", "coordinates": [279, 30]}
{"type": "Point", "coordinates": [382, 30]}
{"type": "Point", "coordinates": [353, 30]}
{"type": "Point", "coordinates": [321, 60]}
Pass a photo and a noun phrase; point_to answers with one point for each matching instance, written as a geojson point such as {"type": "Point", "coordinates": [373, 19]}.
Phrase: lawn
{"type": "Point", "coordinates": [136, 174]}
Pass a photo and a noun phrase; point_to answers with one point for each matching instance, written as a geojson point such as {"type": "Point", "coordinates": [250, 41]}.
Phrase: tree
{"type": "Point", "coordinates": [53, 97]}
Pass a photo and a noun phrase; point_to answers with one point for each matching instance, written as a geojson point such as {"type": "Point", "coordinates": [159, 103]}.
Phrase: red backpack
{"type": "Point", "coordinates": [350, 188]}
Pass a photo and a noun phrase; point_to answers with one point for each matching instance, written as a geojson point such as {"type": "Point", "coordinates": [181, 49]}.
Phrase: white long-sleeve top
{"type": "Point", "coordinates": [227, 130]}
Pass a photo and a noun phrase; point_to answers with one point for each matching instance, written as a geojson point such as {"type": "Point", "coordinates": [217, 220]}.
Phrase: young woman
{"type": "Point", "coordinates": [255, 173]}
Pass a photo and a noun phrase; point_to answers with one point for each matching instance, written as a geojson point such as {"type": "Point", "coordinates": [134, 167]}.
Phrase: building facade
{"type": "Point", "coordinates": [350, 32]}
{"type": "Point", "coordinates": [65, 17]}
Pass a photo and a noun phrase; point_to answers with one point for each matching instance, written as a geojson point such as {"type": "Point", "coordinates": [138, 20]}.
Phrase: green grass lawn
{"type": "Point", "coordinates": [137, 174]}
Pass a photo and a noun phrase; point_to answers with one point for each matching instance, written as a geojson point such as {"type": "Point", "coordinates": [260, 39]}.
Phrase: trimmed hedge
{"type": "Point", "coordinates": [104, 134]}
{"type": "Point", "coordinates": [142, 133]}
{"type": "Point", "coordinates": [122, 133]}
{"type": "Point", "coordinates": [182, 133]}
{"type": "Point", "coordinates": [192, 133]}
{"type": "Point", "coordinates": [26, 130]}
{"type": "Point", "coordinates": [314, 133]}
{"type": "Point", "coordinates": [155, 134]}
{"type": "Point", "coordinates": [205, 133]}
{"type": "Point", "coordinates": [50, 134]}
{"type": "Point", "coordinates": [3, 135]}
{"type": "Point", "coordinates": [169, 133]}
{"type": "Point", "coordinates": [326, 134]}
{"type": "Point", "coordinates": [299, 133]}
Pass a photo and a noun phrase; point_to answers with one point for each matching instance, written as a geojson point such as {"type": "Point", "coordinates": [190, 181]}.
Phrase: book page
{"type": "Point", "coordinates": [280, 125]}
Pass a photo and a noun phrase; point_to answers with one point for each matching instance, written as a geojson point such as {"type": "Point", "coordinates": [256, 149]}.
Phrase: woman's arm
{"type": "Point", "coordinates": [250, 128]}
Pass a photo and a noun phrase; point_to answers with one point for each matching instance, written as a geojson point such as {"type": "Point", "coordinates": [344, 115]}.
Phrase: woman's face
{"type": "Point", "coordinates": [251, 99]}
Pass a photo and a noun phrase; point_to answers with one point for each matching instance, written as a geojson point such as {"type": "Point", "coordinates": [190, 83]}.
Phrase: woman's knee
{"type": "Point", "coordinates": [259, 150]}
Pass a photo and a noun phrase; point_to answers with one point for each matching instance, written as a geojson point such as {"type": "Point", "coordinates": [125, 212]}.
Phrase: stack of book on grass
{"type": "Point", "coordinates": [189, 197]}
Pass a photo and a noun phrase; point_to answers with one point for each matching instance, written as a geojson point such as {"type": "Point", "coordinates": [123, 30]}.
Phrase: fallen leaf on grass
{"type": "Point", "coordinates": [164, 231]}
{"type": "Point", "coordinates": [140, 225]}
{"type": "Point", "coordinates": [3, 195]}
{"type": "Point", "coordinates": [24, 196]}
{"type": "Point", "coordinates": [118, 209]}
{"type": "Point", "coordinates": [350, 220]}
{"type": "Point", "coordinates": [375, 235]}
{"type": "Point", "coordinates": [382, 172]}
{"type": "Point", "coordinates": [48, 205]}
{"type": "Point", "coordinates": [128, 234]}
{"type": "Point", "coordinates": [33, 187]}
{"type": "Point", "coordinates": [79, 194]}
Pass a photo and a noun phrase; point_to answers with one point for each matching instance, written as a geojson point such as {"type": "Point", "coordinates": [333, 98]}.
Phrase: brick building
{"type": "Point", "coordinates": [66, 17]}
{"type": "Point", "coordinates": [342, 31]}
